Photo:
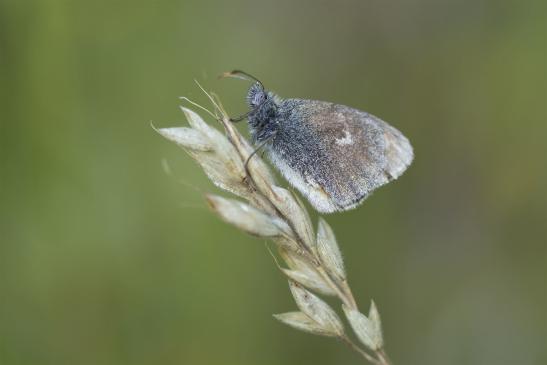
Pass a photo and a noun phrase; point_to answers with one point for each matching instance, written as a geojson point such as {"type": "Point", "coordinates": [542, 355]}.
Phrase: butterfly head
{"type": "Point", "coordinates": [256, 95]}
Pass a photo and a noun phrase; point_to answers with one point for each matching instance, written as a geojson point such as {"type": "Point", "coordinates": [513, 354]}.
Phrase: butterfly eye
{"type": "Point", "coordinates": [256, 95]}
{"type": "Point", "coordinates": [259, 98]}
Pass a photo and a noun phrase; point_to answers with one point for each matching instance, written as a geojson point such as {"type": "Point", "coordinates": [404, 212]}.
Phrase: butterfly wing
{"type": "Point", "coordinates": [336, 155]}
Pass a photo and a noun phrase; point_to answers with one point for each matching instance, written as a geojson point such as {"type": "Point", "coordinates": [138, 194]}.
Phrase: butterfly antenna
{"type": "Point", "coordinates": [238, 74]}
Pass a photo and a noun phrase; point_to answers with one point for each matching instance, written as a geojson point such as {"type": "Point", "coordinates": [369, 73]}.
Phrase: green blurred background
{"type": "Point", "coordinates": [107, 259]}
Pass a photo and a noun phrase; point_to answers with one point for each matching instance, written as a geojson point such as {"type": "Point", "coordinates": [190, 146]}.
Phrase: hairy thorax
{"type": "Point", "coordinates": [263, 120]}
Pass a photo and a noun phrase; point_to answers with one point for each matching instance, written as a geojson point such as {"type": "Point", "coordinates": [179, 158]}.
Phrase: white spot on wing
{"type": "Point", "coordinates": [346, 140]}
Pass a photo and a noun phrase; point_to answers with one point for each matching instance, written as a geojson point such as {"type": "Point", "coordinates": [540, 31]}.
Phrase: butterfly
{"type": "Point", "coordinates": [335, 155]}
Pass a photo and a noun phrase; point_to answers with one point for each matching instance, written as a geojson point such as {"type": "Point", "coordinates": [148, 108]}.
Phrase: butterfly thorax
{"type": "Point", "coordinates": [264, 113]}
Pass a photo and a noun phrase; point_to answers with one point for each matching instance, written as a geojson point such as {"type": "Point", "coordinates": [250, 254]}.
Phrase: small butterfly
{"type": "Point", "coordinates": [333, 154]}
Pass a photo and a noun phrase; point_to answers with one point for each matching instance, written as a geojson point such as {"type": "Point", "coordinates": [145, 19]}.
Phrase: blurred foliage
{"type": "Point", "coordinates": [106, 259]}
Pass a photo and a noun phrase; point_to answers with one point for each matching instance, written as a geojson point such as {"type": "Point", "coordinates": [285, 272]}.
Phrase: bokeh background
{"type": "Point", "coordinates": [108, 254]}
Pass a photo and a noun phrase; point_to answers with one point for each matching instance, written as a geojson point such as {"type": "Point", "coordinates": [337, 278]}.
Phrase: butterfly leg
{"type": "Point", "coordinates": [240, 118]}
{"type": "Point", "coordinates": [258, 148]}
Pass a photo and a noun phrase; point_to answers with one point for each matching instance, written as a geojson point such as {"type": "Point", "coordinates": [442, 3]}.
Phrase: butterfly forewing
{"type": "Point", "coordinates": [334, 154]}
